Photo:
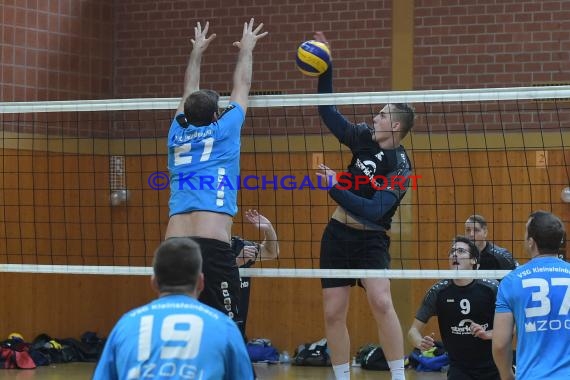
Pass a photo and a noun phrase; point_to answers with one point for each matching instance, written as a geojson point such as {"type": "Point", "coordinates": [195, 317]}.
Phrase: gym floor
{"type": "Point", "coordinates": [73, 371]}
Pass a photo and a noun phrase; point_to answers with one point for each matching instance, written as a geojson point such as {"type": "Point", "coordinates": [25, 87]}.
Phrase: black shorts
{"type": "Point", "coordinates": [456, 372]}
{"type": "Point", "coordinates": [221, 277]}
{"type": "Point", "coordinates": [343, 247]}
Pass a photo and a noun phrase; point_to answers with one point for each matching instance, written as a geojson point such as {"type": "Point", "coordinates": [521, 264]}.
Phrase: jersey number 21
{"type": "Point", "coordinates": [182, 153]}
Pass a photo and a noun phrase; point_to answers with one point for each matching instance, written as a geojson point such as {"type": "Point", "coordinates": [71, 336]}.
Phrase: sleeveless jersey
{"type": "Point", "coordinates": [174, 337]}
{"type": "Point", "coordinates": [204, 164]}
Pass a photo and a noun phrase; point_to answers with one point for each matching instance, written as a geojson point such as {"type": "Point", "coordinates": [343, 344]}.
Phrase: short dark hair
{"type": "Point", "coordinates": [200, 107]}
{"type": "Point", "coordinates": [177, 265]}
{"type": "Point", "coordinates": [475, 218]}
{"type": "Point", "coordinates": [473, 250]}
{"type": "Point", "coordinates": [547, 230]}
{"type": "Point", "coordinates": [405, 114]}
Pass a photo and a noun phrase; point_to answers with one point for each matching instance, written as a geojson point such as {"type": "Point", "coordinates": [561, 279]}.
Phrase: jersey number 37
{"type": "Point", "coordinates": [542, 296]}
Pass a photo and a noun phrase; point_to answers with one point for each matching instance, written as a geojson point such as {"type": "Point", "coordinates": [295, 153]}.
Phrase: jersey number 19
{"type": "Point", "coordinates": [181, 334]}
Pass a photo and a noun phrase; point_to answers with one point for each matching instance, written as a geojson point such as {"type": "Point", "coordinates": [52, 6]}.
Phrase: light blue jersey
{"type": "Point", "coordinates": [174, 337]}
{"type": "Point", "coordinates": [538, 295]}
{"type": "Point", "coordinates": [204, 164]}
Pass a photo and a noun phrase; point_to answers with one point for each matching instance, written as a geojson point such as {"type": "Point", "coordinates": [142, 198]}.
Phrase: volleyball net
{"type": "Point", "coordinates": [85, 183]}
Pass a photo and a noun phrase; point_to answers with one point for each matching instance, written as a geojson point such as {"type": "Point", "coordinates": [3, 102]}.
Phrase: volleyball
{"type": "Point", "coordinates": [313, 58]}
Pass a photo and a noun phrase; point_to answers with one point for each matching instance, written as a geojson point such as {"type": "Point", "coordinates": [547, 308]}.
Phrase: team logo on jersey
{"type": "Point", "coordinates": [462, 328]}
{"type": "Point", "coordinates": [380, 155]}
{"type": "Point", "coordinates": [547, 325]}
{"type": "Point", "coordinates": [368, 168]}
{"type": "Point", "coordinates": [369, 163]}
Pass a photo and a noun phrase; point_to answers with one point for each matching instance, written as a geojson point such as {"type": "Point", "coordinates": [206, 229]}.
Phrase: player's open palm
{"type": "Point", "coordinates": [250, 35]}
{"type": "Point", "coordinates": [258, 220]}
{"type": "Point", "coordinates": [200, 41]}
{"type": "Point", "coordinates": [320, 37]}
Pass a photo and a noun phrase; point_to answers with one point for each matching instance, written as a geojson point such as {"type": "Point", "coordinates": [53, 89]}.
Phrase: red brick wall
{"type": "Point", "coordinates": [153, 43]}
{"type": "Point", "coordinates": [489, 43]}
{"type": "Point", "coordinates": [56, 50]}
{"type": "Point", "coordinates": [68, 49]}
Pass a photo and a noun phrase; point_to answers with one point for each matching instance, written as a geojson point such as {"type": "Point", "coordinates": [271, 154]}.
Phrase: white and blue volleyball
{"type": "Point", "coordinates": [313, 58]}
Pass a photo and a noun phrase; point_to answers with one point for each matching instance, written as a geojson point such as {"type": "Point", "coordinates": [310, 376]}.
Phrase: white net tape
{"type": "Point", "coordinates": [295, 100]}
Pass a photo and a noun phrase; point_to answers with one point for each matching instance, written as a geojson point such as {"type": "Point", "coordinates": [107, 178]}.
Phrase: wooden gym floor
{"type": "Point", "coordinates": [73, 371]}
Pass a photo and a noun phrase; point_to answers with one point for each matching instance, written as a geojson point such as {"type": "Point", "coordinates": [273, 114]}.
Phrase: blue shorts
{"type": "Point", "coordinates": [344, 247]}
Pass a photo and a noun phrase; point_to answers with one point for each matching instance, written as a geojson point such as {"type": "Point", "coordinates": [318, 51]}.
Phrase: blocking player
{"type": "Point", "coordinates": [204, 144]}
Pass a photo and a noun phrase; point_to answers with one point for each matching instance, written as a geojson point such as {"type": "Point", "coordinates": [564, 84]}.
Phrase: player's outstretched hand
{"type": "Point", "coordinates": [250, 35]}
{"type": "Point", "coordinates": [258, 220]}
{"type": "Point", "coordinates": [200, 42]}
{"type": "Point", "coordinates": [320, 36]}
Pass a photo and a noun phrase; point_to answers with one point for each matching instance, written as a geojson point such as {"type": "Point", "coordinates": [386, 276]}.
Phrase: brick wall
{"type": "Point", "coordinates": [489, 43]}
{"type": "Point", "coordinates": [56, 50]}
{"type": "Point", "coordinates": [153, 43]}
{"type": "Point", "coordinates": [68, 49]}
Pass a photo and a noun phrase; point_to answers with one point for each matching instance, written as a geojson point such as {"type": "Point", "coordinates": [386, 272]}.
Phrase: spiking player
{"type": "Point", "coordinates": [206, 142]}
{"type": "Point", "coordinates": [535, 298]}
{"type": "Point", "coordinates": [464, 309]}
{"type": "Point", "coordinates": [356, 236]}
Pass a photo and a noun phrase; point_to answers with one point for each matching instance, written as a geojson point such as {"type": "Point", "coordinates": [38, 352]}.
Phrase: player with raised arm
{"type": "Point", "coordinates": [464, 309]}
{"type": "Point", "coordinates": [356, 235]}
{"type": "Point", "coordinates": [248, 253]}
{"type": "Point", "coordinates": [175, 336]}
{"type": "Point", "coordinates": [203, 161]}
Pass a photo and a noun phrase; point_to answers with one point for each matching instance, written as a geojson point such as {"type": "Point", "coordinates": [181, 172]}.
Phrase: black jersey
{"type": "Point", "coordinates": [386, 172]}
{"type": "Point", "coordinates": [374, 174]}
{"type": "Point", "coordinates": [495, 257]}
{"type": "Point", "coordinates": [456, 307]}
{"type": "Point", "coordinates": [379, 166]}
